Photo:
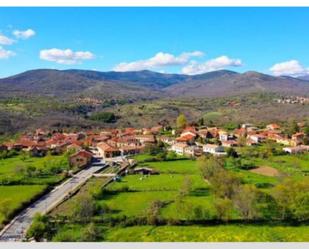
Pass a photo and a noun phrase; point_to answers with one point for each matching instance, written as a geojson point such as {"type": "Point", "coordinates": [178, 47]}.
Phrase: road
{"type": "Point", "coordinates": [16, 230]}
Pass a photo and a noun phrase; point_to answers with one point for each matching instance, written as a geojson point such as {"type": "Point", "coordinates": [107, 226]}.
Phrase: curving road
{"type": "Point", "coordinates": [15, 231]}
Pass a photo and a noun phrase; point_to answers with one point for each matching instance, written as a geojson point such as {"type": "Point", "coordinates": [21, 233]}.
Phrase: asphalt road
{"type": "Point", "coordinates": [16, 230]}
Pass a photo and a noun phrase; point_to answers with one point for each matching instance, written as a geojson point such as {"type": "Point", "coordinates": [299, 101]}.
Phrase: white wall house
{"type": "Point", "coordinates": [213, 149]}
{"type": "Point", "coordinates": [223, 136]}
{"type": "Point", "coordinates": [179, 148]}
{"type": "Point", "coordinates": [296, 149]}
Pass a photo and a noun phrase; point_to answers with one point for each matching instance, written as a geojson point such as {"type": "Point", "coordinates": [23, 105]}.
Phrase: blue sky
{"type": "Point", "coordinates": [177, 40]}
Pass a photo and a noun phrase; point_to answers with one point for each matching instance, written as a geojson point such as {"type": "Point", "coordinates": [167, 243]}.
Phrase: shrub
{"type": "Point", "coordinates": [106, 117]}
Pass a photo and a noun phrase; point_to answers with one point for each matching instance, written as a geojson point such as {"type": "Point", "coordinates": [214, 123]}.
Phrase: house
{"type": "Point", "coordinates": [204, 133]}
{"type": "Point", "coordinates": [246, 125]}
{"type": "Point", "coordinates": [147, 131]}
{"type": "Point", "coordinates": [297, 138]}
{"type": "Point", "coordinates": [156, 129]}
{"type": "Point", "coordinates": [167, 140]}
{"type": "Point", "coordinates": [214, 132]}
{"type": "Point", "coordinates": [273, 127]}
{"type": "Point", "coordinates": [213, 149]}
{"type": "Point", "coordinates": [3, 147]}
{"type": "Point", "coordinates": [15, 146]}
{"type": "Point", "coordinates": [124, 141]}
{"type": "Point", "coordinates": [257, 138]}
{"type": "Point", "coordinates": [251, 142]}
{"type": "Point", "coordinates": [37, 151]}
{"type": "Point", "coordinates": [100, 138]}
{"type": "Point", "coordinates": [223, 135]}
{"type": "Point", "coordinates": [144, 171]}
{"type": "Point", "coordinates": [193, 151]}
{"type": "Point", "coordinates": [146, 139]}
{"type": "Point", "coordinates": [229, 143]}
{"type": "Point", "coordinates": [108, 151]}
{"type": "Point", "coordinates": [296, 149]}
{"type": "Point", "coordinates": [80, 159]}
{"type": "Point", "coordinates": [179, 148]}
{"type": "Point", "coordinates": [74, 147]}
{"type": "Point", "coordinates": [130, 150]}
{"type": "Point", "coordinates": [242, 132]}
{"type": "Point", "coordinates": [283, 140]}
{"type": "Point", "coordinates": [26, 143]}
{"type": "Point", "coordinates": [188, 138]}
{"type": "Point", "coordinates": [272, 135]}
{"type": "Point", "coordinates": [188, 131]}
{"type": "Point", "coordinates": [59, 148]}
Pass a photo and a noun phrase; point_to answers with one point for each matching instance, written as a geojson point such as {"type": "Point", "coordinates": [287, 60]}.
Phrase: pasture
{"type": "Point", "coordinates": [132, 196]}
{"type": "Point", "coordinates": [13, 197]}
{"type": "Point", "coordinates": [22, 178]}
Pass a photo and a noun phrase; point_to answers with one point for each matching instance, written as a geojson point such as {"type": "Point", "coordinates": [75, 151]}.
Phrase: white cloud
{"type": "Point", "coordinates": [5, 54]}
{"type": "Point", "coordinates": [4, 40]}
{"type": "Point", "coordinates": [290, 68]}
{"type": "Point", "coordinates": [23, 34]}
{"type": "Point", "coordinates": [160, 59]}
{"type": "Point", "coordinates": [66, 56]}
{"type": "Point", "coordinates": [212, 65]}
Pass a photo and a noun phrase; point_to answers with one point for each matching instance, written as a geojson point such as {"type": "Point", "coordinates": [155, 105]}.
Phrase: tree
{"type": "Point", "coordinates": [106, 117]}
{"type": "Point", "coordinates": [84, 208]}
{"type": "Point", "coordinates": [224, 208]}
{"type": "Point", "coordinates": [242, 141]}
{"type": "Point", "coordinates": [153, 149]}
{"type": "Point", "coordinates": [24, 155]}
{"type": "Point", "coordinates": [225, 184]}
{"type": "Point", "coordinates": [209, 166]}
{"type": "Point", "coordinates": [293, 127]}
{"type": "Point", "coordinates": [269, 149]}
{"type": "Point", "coordinates": [231, 152]}
{"type": "Point", "coordinates": [300, 207]}
{"type": "Point", "coordinates": [306, 132]}
{"type": "Point", "coordinates": [30, 170]}
{"type": "Point", "coordinates": [200, 122]}
{"type": "Point", "coordinates": [153, 212]}
{"type": "Point", "coordinates": [186, 187]}
{"type": "Point", "coordinates": [284, 194]}
{"type": "Point", "coordinates": [40, 228]}
{"type": "Point", "coordinates": [91, 233]}
{"type": "Point", "coordinates": [181, 121]}
{"type": "Point", "coordinates": [292, 199]}
{"type": "Point", "coordinates": [245, 200]}
{"type": "Point", "coordinates": [171, 155]}
{"type": "Point", "coordinates": [198, 212]}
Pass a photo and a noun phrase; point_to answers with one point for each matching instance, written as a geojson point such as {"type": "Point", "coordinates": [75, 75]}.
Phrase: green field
{"type": "Point", "coordinates": [13, 197]}
{"type": "Point", "coordinates": [15, 169]}
{"type": "Point", "coordinates": [219, 233]}
{"type": "Point", "coordinates": [133, 195]}
{"type": "Point", "coordinates": [222, 233]}
{"type": "Point", "coordinates": [22, 178]}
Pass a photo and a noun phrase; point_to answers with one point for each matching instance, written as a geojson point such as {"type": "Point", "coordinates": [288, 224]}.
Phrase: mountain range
{"type": "Point", "coordinates": [146, 84]}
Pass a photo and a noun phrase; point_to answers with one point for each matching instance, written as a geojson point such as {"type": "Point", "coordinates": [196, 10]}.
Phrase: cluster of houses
{"type": "Point", "coordinates": [109, 143]}
{"type": "Point", "coordinates": [293, 100]}
{"type": "Point", "coordinates": [191, 141]}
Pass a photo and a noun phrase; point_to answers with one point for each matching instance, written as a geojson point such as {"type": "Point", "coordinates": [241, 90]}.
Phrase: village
{"type": "Point", "coordinates": [112, 155]}
{"type": "Point", "coordinates": [191, 141]}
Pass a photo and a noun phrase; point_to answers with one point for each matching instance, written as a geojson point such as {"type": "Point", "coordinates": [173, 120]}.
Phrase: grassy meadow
{"type": "Point", "coordinates": [22, 178]}
{"type": "Point", "coordinates": [13, 197]}
{"type": "Point", "coordinates": [131, 198]}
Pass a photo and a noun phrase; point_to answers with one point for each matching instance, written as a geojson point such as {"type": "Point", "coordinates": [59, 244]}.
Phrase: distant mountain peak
{"type": "Point", "coordinates": [145, 83]}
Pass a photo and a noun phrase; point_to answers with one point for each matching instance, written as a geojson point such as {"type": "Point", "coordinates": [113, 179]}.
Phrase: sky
{"type": "Point", "coordinates": [170, 40]}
